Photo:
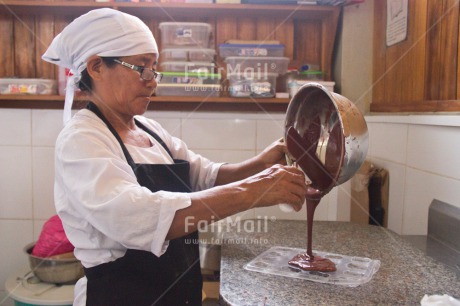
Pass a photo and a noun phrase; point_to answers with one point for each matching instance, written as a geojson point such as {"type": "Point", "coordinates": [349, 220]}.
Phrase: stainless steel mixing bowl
{"type": "Point", "coordinates": [334, 129]}
{"type": "Point", "coordinates": [54, 270]}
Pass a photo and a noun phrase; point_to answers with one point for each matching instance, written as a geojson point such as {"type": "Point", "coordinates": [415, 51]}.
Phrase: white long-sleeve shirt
{"type": "Point", "coordinates": [103, 208]}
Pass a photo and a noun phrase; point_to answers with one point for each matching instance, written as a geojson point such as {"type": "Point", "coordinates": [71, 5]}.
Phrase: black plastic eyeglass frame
{"type": "Point", "coordinates": [146, 74]}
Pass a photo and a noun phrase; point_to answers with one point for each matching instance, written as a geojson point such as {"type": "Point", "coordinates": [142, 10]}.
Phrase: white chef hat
{"type": "Point", "coordinates": [102, 32]}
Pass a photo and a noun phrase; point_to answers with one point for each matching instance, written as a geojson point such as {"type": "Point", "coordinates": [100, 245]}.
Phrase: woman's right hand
{"type": "Point", "coordinates": [275, 185]}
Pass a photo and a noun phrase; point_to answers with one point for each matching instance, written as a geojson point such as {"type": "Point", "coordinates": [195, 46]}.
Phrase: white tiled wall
{"type": "Point", "coordinates": [421, 155]}
{"type": "Point", "coordinates": [27, 140]}
{"type": "Point", "coordinates": [16, 211]}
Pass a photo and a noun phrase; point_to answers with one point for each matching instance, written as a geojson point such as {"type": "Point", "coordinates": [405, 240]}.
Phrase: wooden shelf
{"type": "Point", "coordinates": [158, 9]}
{"type": "Point", "coordinates": [307, 31]}
{"type": "Point", "coordinates": [158, 103]}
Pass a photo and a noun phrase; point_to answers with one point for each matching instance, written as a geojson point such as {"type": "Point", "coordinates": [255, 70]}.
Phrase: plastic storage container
{"type": "Point", "coordinates": [237, 64]}
{"type": "Point", "coordinates": [261, 85]}
{"type": "Point", "coordinates": [18, 86]}
{"type": "Point", "coordinates": [292, 74]}
{"type": "Point", "coordinates": [184, 34]}
{"type": "Point", "coordinates": [226, 50]}
{"type": "Point", "coordinates": [190, 90]}
{"type": "Point", "coordinates": [198, 1]}
{"type": "Point", "coordinates": [294, 86]}
{"type": "Point", "coordinates": [193, 55]}
{"type": "Point", "coordinates": [311, 75]}
{"type": "Point", "coordinates": [188, 67]}
{"type": "Point", "coordinates": [190, 78]}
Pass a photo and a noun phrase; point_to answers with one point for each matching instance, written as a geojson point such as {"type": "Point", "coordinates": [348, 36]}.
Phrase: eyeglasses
{"type": "Point", "coordinates": [146, 74]}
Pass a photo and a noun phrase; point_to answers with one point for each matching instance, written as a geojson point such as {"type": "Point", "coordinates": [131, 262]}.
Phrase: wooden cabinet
{"type": "Point", "coordinates": [28, 27]}
{"type": "Point", "coordinates": [422, 73]}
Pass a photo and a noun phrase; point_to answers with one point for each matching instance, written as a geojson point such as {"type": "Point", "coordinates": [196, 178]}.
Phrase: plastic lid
{"type": "Point", "coordinates": [278, 46]}
{"type": "Point", "coordinates": [294, 83]}
{"type": "Point", "coordinates": [188, 63]}
{"type": "Point", "coordinates": [306, 67]}
{"type": "Point", "coordinates": [311, 72]}
{"type": "Point", "coordinates": [189, 85]}
{"type": "Point", "coordinates": [37, 294]}
{"type": "Point", "coordinates": [254, 74]}
{"type": "Point", "coordinates": [191, 74]}
{"type": "Point", "coordinates": [184, 24]}
{"type": "Point", "coordinates": [256, 58]}
{"type": "Point", "coordinates": [204, 50]}
{"type": "Point", "coordinates": [24, 80]}
{"type": "Point", "coordinates": [189, 49]}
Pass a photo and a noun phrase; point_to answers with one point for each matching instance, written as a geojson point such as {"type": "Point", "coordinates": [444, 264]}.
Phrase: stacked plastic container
{"type": "Point", "coordinates": [20, 86]}
{"type": "Point", "coordinates": [186, 61]}
{"type": "Point", "coordinates": [252, 68]}
{"type": "Point", "coordinates": [308, 73]}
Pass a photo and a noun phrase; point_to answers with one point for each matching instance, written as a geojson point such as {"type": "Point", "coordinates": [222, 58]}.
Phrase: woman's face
{"type": "Point", "coordinates": [126, 93]}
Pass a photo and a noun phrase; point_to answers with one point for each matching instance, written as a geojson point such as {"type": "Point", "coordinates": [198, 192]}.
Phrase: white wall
{"type": "Point", "coordinates": [421, 155]}
{"type": "Point", "coordinates": [353, 73]}
{"type": "Point", "coordinates": [27, 140]}
{"type": "Point", "coordinates": [353, 64]}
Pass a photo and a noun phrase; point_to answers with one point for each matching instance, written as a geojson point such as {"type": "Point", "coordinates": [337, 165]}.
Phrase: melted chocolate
{"type": "Point", "coordinates": [311, 206]}
{"type": "Point", "coordinates": [309, 263]}
{"type": "Point", "coordinates": [323, 178]}
{"type": "Point", "coordinates": [304, 153]}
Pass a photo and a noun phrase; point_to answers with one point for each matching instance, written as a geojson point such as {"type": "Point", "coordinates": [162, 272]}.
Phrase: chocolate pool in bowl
{"type": "Point", "coordinates": [327, 137]}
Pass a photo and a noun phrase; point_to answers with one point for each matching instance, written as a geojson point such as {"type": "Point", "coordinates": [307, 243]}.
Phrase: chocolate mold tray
{"type": "Point", "coordinates": [351, 271]}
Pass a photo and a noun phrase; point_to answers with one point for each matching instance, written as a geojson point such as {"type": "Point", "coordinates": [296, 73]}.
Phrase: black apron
{"type": "Point", "coordinates": [141, 278]}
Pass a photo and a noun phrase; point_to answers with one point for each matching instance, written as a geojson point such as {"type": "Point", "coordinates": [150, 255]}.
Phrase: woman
{"type": "Point", "coordinates": [129, 194]}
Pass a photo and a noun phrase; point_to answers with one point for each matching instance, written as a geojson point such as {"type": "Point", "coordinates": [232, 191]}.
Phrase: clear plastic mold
{"type": "Point", "coordinates": [351, 271]}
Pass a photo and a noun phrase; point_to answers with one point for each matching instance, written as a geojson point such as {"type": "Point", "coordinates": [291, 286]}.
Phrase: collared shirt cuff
{"type": "Point", "coordinates": [170, 203]}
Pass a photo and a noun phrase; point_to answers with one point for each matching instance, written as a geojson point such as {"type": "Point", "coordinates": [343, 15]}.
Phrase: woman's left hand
{"type": "Point", "coordinates": [274, 154]}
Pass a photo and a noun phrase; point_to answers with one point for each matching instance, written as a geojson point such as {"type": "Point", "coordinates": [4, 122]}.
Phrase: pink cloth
{"type": "Point", "coordinates": [52, 240]}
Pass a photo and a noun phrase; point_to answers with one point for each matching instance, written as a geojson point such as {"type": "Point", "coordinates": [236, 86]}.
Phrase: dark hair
{"type": "Point", "coordinates": [85, 84]}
